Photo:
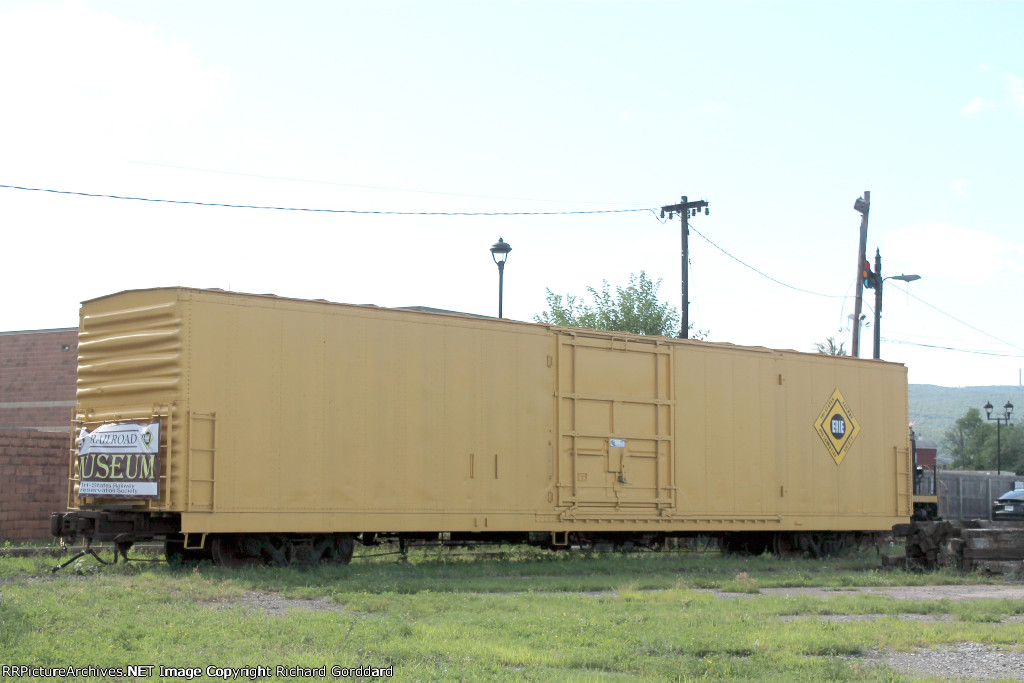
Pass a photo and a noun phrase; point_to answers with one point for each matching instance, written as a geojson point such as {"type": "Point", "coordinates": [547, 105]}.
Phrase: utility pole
{"type": "Point", "coordinates": [863, 205]}
{"type": "Point", "coordinates": [684, 209]}
{"type": "Point", "coordinates": [877, 280]}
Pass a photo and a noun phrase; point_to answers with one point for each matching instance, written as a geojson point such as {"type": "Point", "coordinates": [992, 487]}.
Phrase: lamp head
{"type": "Point", "coordinates": [988, 409]}
{"type": "Point", "coordinates": [499, 251]}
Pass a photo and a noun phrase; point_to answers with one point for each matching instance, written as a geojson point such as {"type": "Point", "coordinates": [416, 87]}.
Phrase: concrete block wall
{"type": "Point", "coordinates": [33, 482]}
{"type": "Point", "coordinates": [38, 375]}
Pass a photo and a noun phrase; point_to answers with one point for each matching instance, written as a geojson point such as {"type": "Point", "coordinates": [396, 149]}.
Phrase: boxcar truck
{"type": "Point", "coordinates": [263, 429]}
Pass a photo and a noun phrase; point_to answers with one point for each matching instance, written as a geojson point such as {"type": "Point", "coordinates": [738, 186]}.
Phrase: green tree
{"type": "Point", "coordinates": [1010, 445]}
{"type": "Point", "coordinates": [966, 440]}
{"type": "Point", "coordinates": [830, 348]}
{"type": "Point", "coordinates": [974, 444]}
{"type": "Point", "coordinates": [633, 308]}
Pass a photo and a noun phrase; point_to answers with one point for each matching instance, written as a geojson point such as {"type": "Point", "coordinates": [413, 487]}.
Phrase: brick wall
{"type": "Point", "coordinates": [926, 457]}
{"type": "Point", "coordinates": [38, 374]}
{"type": "Point", "coordinates": [33, 482]}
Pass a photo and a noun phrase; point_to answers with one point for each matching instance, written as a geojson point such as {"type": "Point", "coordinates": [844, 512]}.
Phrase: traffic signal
{"type": "Point", "coordinates": [867, 275]}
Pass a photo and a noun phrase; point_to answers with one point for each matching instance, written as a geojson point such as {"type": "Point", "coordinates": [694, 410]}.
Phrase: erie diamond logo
{"type": "Point", "coordinates": [837, 426]}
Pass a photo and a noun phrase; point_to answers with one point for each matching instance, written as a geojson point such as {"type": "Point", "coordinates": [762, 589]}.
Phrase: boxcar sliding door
{"type": "Point", "coordinates": [615, 417]}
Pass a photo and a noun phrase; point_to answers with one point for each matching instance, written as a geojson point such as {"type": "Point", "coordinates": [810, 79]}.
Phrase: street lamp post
{"type": "Point", "coordinates": [877, 281]}
{"type": "Point", "coordinates": [1007, 410]}
{"type": "Point", "coordinates": [499, 252]}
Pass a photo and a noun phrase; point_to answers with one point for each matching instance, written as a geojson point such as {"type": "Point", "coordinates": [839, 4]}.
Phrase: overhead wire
{"type": "Point", "coordinates": [953, 317]}
{"type": "Point", "coordinates": [361, 187]}
{"type": "Point", "coordinates": [842, 308]}
{"type": "Point", "coordinates": [844, 297]}
{"type": "Point", "coordinates": [527, 213]}
{"type": "Point", "coordinates": [310, 210]}
{"type": "Point", "coordinates": [950, 348]}
{"type": "Point", "coordinates": [765, 275]}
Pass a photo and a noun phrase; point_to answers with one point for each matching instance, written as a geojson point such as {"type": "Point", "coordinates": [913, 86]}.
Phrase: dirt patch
{"type": "Point", "coordinates": [913, 593]}
{"type": "Point", "coordinates": [844, 618]}
{"type": "Point", "coordinates": [961, 662]}
{"type": "Point", "coordinates": [274, 605]}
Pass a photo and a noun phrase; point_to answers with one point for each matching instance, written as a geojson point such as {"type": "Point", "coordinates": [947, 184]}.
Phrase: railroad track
{"type": "Point", "coordinates": [56, 551]}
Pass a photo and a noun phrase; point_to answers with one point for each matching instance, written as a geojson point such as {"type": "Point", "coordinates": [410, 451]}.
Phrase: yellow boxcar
{"type": "Point", "coordinates": [284, 429]}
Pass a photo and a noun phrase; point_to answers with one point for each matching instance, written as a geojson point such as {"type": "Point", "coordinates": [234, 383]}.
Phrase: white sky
{"type": "Point", "coordinates": [780, 115]}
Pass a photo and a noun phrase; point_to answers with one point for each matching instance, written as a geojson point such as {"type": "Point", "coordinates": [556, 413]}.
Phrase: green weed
{"type": "Point", "coordinates": [514, 615]}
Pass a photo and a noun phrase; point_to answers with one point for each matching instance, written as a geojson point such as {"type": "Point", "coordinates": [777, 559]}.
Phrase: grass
{"type": "Point", "coordinates": [521, 614]}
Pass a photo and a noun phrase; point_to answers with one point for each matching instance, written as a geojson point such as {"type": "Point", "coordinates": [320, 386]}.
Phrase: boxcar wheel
{"type": "Point", "coordinates": [344, 546]}
{"type": "Point", "coordinates": [339, 550]}
{"type": "Point", "coordinates": [227, 551]}
{"type": "Point", "coordinates": [177, 554]}
{"type": "Point", "coordinates": [745, 543]}
{"type": "Point", "coordinates": [784, 545]}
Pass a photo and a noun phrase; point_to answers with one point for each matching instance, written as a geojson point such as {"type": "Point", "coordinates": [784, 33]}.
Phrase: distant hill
{"type": "Point", "coordinates": [934, 409]}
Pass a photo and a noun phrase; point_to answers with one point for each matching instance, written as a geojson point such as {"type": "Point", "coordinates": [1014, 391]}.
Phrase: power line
{"type": "Point", "coordinates": [907, 292]}
{"type": "Point", "coordinates": [950, 348]}
{"type": "Point", "coordinates": [953, 317]}
{"type": "Point", "coordinates": [303, 209]}
{"type": "Point", "coordinates": [525, 213]}
{"type": "Point", "coordinates": [765, 275]}
{"type": "Point", "coordinates": [362, 187]}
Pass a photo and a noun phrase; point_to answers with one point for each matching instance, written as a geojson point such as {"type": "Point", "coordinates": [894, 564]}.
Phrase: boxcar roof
{"type": "Point", "coordinates": [426, 310]}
